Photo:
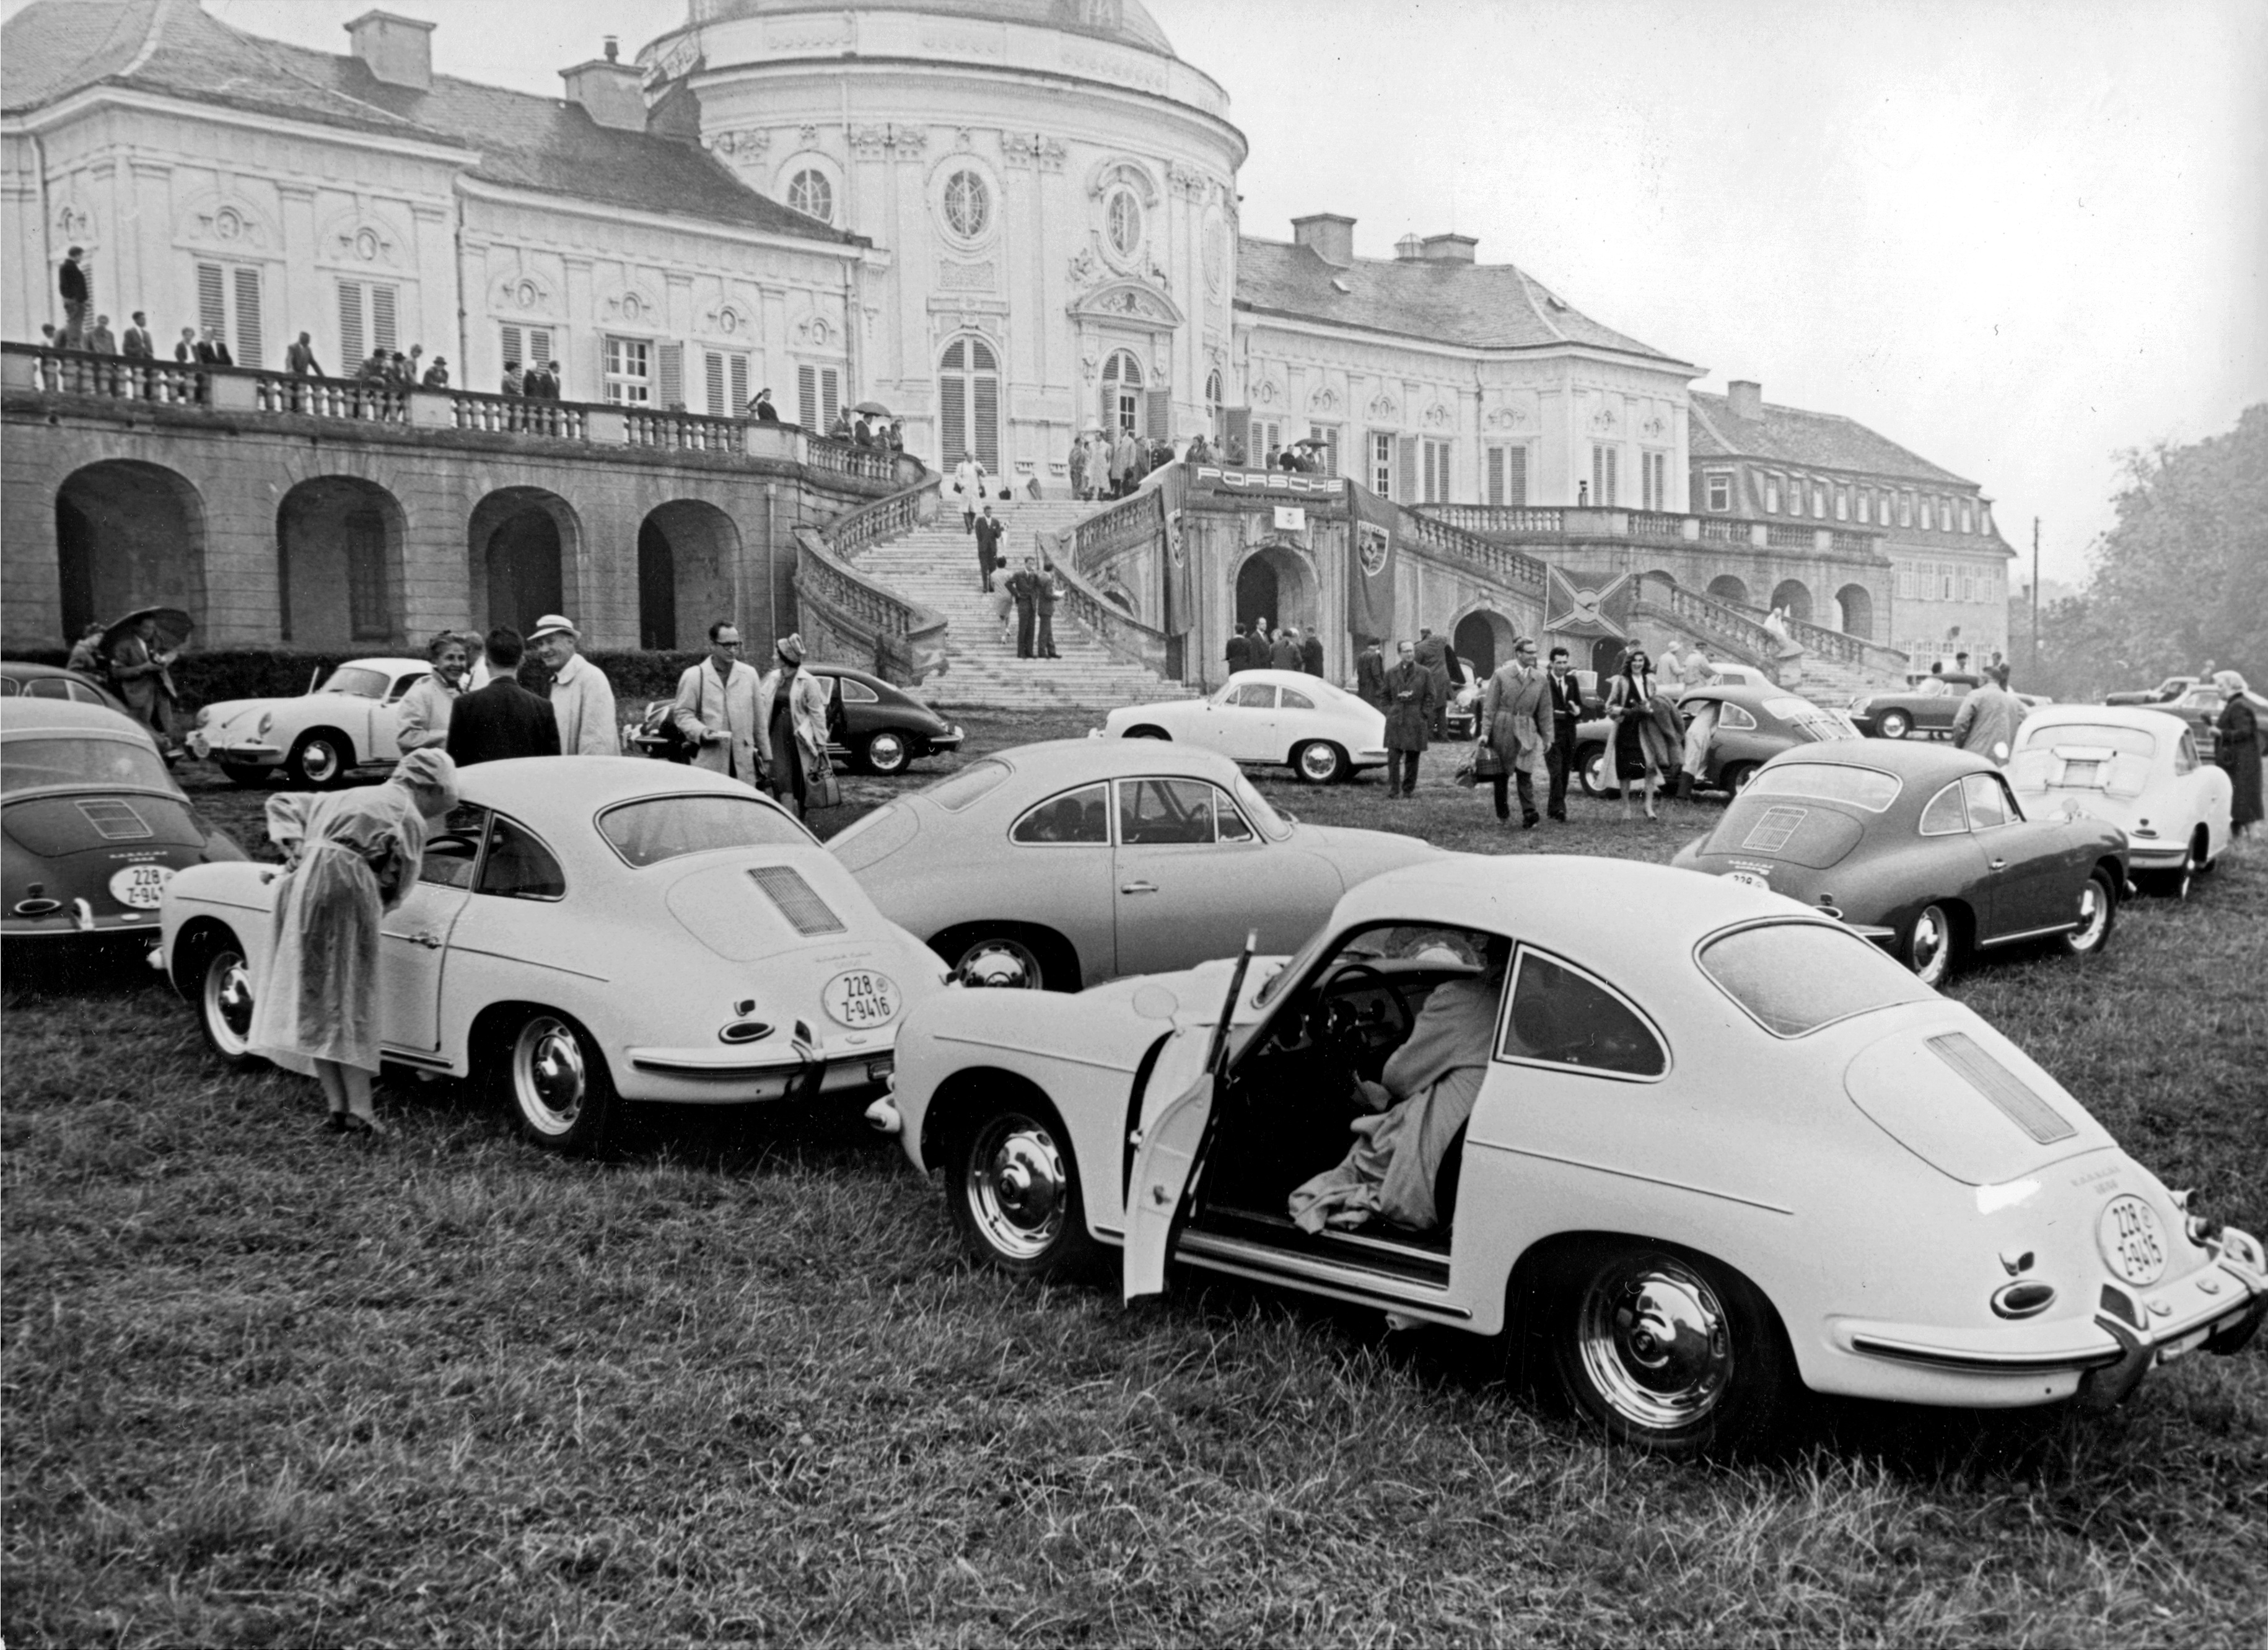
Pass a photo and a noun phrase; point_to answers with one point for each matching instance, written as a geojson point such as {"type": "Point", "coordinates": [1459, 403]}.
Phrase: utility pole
{"type": "Point", "coordinates": [2034, 672]}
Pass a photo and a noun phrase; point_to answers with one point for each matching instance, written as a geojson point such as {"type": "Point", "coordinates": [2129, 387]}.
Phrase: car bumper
{"type": "Point", "coordinates": [950, 739]}
{"type": "Point", "coordinates": [2155, 855]}
{"type": "Point", "coordinates": [77, 921]}
{"type": "Point", "coordinates": [235, 756]}
{"type": "Point", "coordinates": [715, 1076]}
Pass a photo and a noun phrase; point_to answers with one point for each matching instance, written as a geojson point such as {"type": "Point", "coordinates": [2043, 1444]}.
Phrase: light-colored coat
{"type": "Point", "coordinates": [806, 709]}
{"type": "Point", "coordinates": [584, 701]}
{"type": "Point", "coordinates": [423, 717]}
{"type": "Point", "coordinates": [1987, 721]}
{"type": "Point", "coordinates": [707, 703]}
{"type": "Point", "coordinates": [968, 482]}
{"type": "Point", "coordinates": [1516, 719]}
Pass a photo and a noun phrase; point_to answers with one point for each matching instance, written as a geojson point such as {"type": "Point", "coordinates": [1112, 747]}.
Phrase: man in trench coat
{"type": "Point", "coordinates": [716, 709]}
{"type": "Point", "coordinates": [1516, 725]}
{"type": "Point", "coordinates": [1411, 702]}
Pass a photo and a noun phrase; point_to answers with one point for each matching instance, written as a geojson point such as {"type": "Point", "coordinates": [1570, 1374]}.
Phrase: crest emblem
{"type": "Point", "coordinates": [1174, 553]}
{"type": "Point", "coordinates": [1371, 544]}
{"type": "Point", "coordinates": [1580, 610]}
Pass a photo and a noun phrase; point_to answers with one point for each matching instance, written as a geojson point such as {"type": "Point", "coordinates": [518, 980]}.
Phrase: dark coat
{"type": "Point", "coordinates": [2238, 751]}
{"type": "Point", "coordinates": [1238, 653]}
{"type": "Point", "coordinates": [990, 531]}
{"type": "Point", "coordinates": [71, 283]}
{"type": "Point", "coordinates": [1311, 653]}
{"type": "Point", "coordinates": [1024, 587]}
{"type": "Point", "coordinates": [1411, 700]}
{"type": "Point", "coordinates": [137, 346]}
{"type": "Point", "coordinates": [502, 719]}
{"type": "Point", "coordinates": [1284, 654]}
{"type": "Point", "coordinates": [1043, 594]}
{"type": "Point", "coordinates": [1369, 677]}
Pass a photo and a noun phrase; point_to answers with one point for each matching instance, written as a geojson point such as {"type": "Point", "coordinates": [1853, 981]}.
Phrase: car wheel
{"type": "Point", "coordinates": [1594, 769]}
{"type": "Point", "coordinates": [1666, 1352]}
{"type": "Point", "coordinates": [1001, 961]}
{"type": "Point", "coordinates": [1319, 762]}
{"type": "Point", "coordinates": [319, 761]}
{"type": "Point", "coordinates": [224, 1003]}
{"type": "Point", "coordinates": [556, 1084]}
{"type": "Point", "coordinates": [1147, 731]}
{"type": "Point", "coordinates": [1736, 779]}
{"type": "Point", "coordinates": [1930, 944]}
{"type": "Point", "coordinates": [243, 773]}
{"type": "Point", "coordinates": [886, 752]}
{"type": "Point", "coordinates": [2098, 910]}
{"type": "Point", "coordinates": [1014, 1190]}
{"type": "Point", "coordinates": [1895, 725]}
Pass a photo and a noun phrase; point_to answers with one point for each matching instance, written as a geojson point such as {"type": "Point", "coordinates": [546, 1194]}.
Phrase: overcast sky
{"type": "Point", "coordinates": [2014, 235]}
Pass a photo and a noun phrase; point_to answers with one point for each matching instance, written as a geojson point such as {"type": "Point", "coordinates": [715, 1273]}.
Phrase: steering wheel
{"type": "Point", "coordinates": [1336, 1028]}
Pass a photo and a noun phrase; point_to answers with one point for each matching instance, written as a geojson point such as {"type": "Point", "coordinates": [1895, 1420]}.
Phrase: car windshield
{"type": "Point", "coordinates": [31, 764]}
{"type": "Point", "coordinates": [661, 828]}
{"type": "Point", "coordinates": [956, 790]}
{"type": "Point", "coordinates": [1868, 788]}
{"type": "Point", "coordinates": [1272, 825]}
{"type": "Point", "coordinates": [2125, 741]}
{"type": "Point", "coordinates": [1795, 977]}
{"type": "Point", "coordinates": [355, 678]}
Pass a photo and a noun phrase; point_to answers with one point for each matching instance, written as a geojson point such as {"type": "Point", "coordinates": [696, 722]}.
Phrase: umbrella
{"type": "Point", "coordinates": [173, 628]}
{"type": "Point", "coordinates": [874, 407]}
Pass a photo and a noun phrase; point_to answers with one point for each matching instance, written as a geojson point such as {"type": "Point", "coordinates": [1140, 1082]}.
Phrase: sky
{"type": "Point", "coordinates": [2016, 236]}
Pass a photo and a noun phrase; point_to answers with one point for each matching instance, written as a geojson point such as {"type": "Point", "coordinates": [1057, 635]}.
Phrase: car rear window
{"type": "Point", "coordinates": [1795, 977]}
{"type": "Point", "coordinates": [661, 828]}
{"type": "Point", "coordinates": [955, 791]}
{"type": "Point", "coordinates": [1868, 788]}
{"type": "Point", "coordinates": [2126, 742]}
{"type": "Point", "coordinates": [28, 764]}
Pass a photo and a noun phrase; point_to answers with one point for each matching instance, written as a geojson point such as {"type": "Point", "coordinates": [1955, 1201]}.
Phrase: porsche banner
{"type": "Point", "coordinates": [1372, 524]}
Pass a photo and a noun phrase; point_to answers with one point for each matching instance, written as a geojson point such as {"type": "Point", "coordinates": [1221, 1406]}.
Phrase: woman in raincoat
{"type": "Point", "coordinates": [350, 856]}
{"type": "Point", "coordinates": [1648, 738]}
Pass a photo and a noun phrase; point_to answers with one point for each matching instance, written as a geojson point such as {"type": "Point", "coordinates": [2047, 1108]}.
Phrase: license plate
{"type": "Point", "coordinates": [860, 999]}
{"type": "Point", "coordinates": [1748, 879]}
{"type": "Point", "coordinates": [141, 887]}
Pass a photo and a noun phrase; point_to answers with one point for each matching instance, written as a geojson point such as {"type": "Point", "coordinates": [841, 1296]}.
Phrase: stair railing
{"type": "Point", "coordinates": [850, 614]}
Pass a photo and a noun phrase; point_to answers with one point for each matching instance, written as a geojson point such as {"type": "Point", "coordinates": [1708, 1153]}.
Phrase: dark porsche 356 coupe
{"type": "Point", "coordinates": [871, 722]}
{"type": "Point", "coordinates": [1927, 706]}
{"type": "Point", "coordinates": [1755, 721]}
{"type": "Point", "coordinates": [93, 825]}
{"type": "Point", "coordinates": [1920, 847]}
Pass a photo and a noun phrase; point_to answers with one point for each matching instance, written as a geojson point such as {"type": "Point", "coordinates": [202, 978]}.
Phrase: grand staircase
{"type": "Point", "coordinates": [936, 565]}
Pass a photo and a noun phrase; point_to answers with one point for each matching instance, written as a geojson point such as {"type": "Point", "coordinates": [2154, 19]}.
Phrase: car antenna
{"type": "Point", "coordinates": [1216, 1055]}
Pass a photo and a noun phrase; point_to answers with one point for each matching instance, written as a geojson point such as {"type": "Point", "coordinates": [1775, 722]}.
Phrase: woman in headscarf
{"type": "Point", "coordinates": [348, 858]}
{"type": "Point", "coordinates": [1647, 740]}
{"type": "Point", "coordinates": [2238, 751]}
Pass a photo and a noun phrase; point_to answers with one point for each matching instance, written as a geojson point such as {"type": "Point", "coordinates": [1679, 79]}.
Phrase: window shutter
{"type": "Point", "coordinates": [382, 331]}
{"type": "Point", "coordinates": [1515, 476]}
{"type": "Point", "coordinates": [1612, 455]}
{"type": "Point", "coordinates": [672, 375]}
{"type": "Point", "coordinates": [351, 344]}
{"type": "Point", "coordinates": [1496, 476]}
{"type": "Point", "coordinates": [212, 305]}
{"type": "Point", "coordinates": [716, 383]}
{"type": "Point", "coordinates": [830, 394]}
{"type": "Point", "coordinates": [512, 346]}
{"type": "Point", "coordinates": [985, 415]}
{"type": "Point", "coordinates": [1407, 479]}
{"type": "Point", "coordinates": [1160, 414]}
{"type": "Point", "coordinates": [953, 420]}
{"type": "Point", "coordinates": [740, 384]}
{"type": "Point", "coordinates": [806, 385]}
{"type": "Point", "coordinates": [538, 343]}
{"type": "Point", "coordinates": [247, 316]}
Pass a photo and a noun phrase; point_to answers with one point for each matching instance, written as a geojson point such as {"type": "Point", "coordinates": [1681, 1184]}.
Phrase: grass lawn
{"type": "Point", "coordinates": [264, 1385]}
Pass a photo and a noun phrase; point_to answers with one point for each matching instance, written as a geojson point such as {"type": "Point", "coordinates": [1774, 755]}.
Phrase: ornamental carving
{"type": "Point", "coordinates": [1030, 149]}
{"type": "Point", "coordinates": [1506, 417]}
{"type": "Point", "coordinates": [1266, 392]}
{"type": "Point", "coordinates": [217, 222]}
{"type": "Point", "coordinates": [1655, 426]}
{"type": "Point", "coordinates": [896, 142]}
{"type": "Point", "coordinates": [1186, 181]}
{"type": "Point", "coordinates": [1325, 401]}
{"type": "Point", "coordinates": [727, 320]}
{"type": "Point", "coordinates": [632, 307]}
{"type": "Point", "coordinates": [74, 225]}
{"type": "Point", "coordinates": [1109, 174]}
{"type": "Point", "coordinates": [807, 136]}
{"type": "Point", "coordinates": [1606, 421]}
{"type": "Point", "coordinates": [522, 294]}
{"type": "Point", "coordinates": [1382, 408]}
{"type": "Point", "coordinates": [743, 144]}
{"type": "Point", "coordinates": [1086, 268]}
{"type": "Point", "coordinates": [350, 241]}
{"type": "Point", "coordinates": [1438, 416]}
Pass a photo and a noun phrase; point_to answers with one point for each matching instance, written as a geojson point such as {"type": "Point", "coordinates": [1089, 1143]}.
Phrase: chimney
{"type": "Point", "coordinates": [1409, 249]}
{"type": "Point", "coordinates": [1447, 249]}
{"type": "Point", "coordinates": [397, 51]}
{"type": "Point", "coordinates": [1746, 397]}
{"type": "Point", "coordinates": [610, 91]}
{"type": "Point", "coordinates": [1328, 235]}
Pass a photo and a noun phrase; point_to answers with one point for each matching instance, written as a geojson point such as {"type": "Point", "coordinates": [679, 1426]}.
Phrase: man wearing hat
{"type": "Point", "coordinates": [581, 697]}
{"type": "Point", "coordinates": [791, 709]}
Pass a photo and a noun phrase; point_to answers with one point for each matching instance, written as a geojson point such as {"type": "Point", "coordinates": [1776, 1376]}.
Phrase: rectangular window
{"type": "Point", "coordinates": [1967, 516]}
{"type": "Point", "coordinates": [671, 358]}
{"type": "Point", "coordinates": [1984, 519]}
{"type": "Point", "coordinates": [1968, 587]}
{"type": "Point", "coordinates": [1381, 464]}
{"type": "Point", "coordinates": [1905, 509]}
{"type": "Point", "coordinates": [1819, 500]}
{"type": "Point", "coordinates": [228, 302]}
{"type": "Point", "coordinates": [1945, 581]}
{"type": "Point", "coordinates": [367, 322]}
{"type": "Point", "coordinates": [367, 616]}
{"type": "Point", "coordinates": [1436, 460]}
{"type": "Point", "coordinates": [1507, 475]}
{"type": "Point", "coordinates": [1604, 460]}
{"type": "Point", "coordinates": [1654, 476]}
{"type": "Point", "coordinates": [1865, 503]}
{"type": "Point", "coordinates": [1720, 490]}
{"type": "Point", "coordinates": [1327, 456]}
{"type": "Point", "coordinates": [629, 372]}
{"type": "Point", "coordinates": [527, 345]}
{"type": "Point", "coordinates": [1269, 433]}
{"type": "Point", "coordinates": [1771, 495]}
{"type": "Point", "coordinates": [1906, 581]}
{"type": "Point", "coordinates": [819, 394]}
{"type": "Point", "coordinates": [1841, 503]}
{"type": "Point", "coordinates": [1409, 476]}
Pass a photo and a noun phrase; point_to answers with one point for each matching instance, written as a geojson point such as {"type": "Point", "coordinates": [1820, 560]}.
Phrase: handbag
{"type": "Point", "coordinates": [1487, 763]}
{"type": "Point", "coordinates": [824, 789]}
{"type": "Point", "coordinates": [1466, 774]}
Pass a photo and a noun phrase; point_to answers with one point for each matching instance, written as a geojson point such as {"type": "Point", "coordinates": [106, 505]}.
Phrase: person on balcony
{"type": "Point", "coordinates": [101, 341]}
{"type": "Point", "coordinates": [761, 409]}
{"type": "Point", "coordinates": [214, 348]}
{"type": "Point", "coordinates": [581, 697]}
{"type": "Point", "coordinates": [299, 358]}
{"type": "Point", "coordinates": [895, 439]}
{"type": "Point", "coordinates": [185, 350]}
{"type": "Point", "coordinates": [75, 287]}
{"type": "Point", "coordinates": [862, 433]}
{"type": "Point", "coordinates": [138, 346]}
{"type": "Point", "coordinates": [840, 429]}
{"type": "Point", "coordinates": [437, 376]}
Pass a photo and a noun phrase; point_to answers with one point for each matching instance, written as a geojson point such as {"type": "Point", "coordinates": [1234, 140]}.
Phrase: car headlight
{"type": "Point", "coordinates": [267, 721]}
{"type": "Point", "coordinates": [204, 715]}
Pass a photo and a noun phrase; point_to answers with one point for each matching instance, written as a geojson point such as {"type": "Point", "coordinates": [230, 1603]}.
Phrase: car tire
{"type": "Point", "coordinates": [1736, 779]}
{"type": "Point", "coordinates": [1666, 1350]}
{"type": "Point", "coordinates": [1319, 762]}
{"type": "Point", "coordinates": [1932, 945]}
{"type": "Point", "coordinates": [1012, 1184]}
{"type": "Point", "coordinates": [1003, 958]}
{"type": "Point", "coordinates": [1895, 724]}
{"type": "Point", "coordinates": [222, 980]}
{"type": "Point", "coordinates": [244, 774]}
{"type": "Point", "coordinates": [319, 760]}
{"type": "Point", "coordinates": [886, 752]}
{"type": "Point", "coordinates": [553, 1081]}
{"type": "Point", "coordinates": [2098, 914]}
{"type": "Point", "coordinates": [1146, 732]}
{"type": "Point", "coordinates": [1594, 768]}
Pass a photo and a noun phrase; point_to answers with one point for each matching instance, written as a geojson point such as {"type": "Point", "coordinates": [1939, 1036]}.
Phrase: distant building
{"type": "Point", "coordinates": [1758, 461]}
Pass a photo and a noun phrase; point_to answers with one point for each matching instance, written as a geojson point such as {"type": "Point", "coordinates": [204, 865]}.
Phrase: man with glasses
{"type": "Point", "coordinates": [1516, 725]}
{"type": "Point", "coordinates": [716, 708]}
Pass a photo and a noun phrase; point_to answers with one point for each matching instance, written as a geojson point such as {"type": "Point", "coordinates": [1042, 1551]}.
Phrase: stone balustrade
{"type": "Point", "coordinates": [1133, 523]}
{"type": "Point", "coordinates": [885, 519]}
{"type": "Point", "coordinates": [850, 616]}
{"type": "Point", "coordinates": [1726, 622]}
{"type": "Point", "coordinates": [1484, 555]}
{"type": "Point", "coordinates": [1126, 637]}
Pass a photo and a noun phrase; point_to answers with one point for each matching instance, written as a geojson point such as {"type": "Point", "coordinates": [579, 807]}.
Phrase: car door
{"type": "Point", "coordinates": [1192, 877]}
{"type": "Point", "coordinates": [1952, 862]}
{"type": "Point", "coordinates": [1057, 873]}
{"type": "Point", "coordinates": [1160, 1184]}
{"type": "Point", "coordinates": [2034, 880]}
{"type": "Point", "coordinates": [1244, 717]}
{"type": "Point", "coordinates": [412, 941]}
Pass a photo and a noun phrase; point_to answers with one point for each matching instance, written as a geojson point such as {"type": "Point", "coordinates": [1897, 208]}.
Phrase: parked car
{"type": "Point", "coordinates": [1755, 724]}
{"type": "Point", "coordinates": [2171, 688]}
{"type": "Point", "coordinates": [341, 730]}
{"type": "Point", "coordinates": [1268, 718]}
{"type": "Point", "coordinates": [1927, 707]}
{"type": "Point", "coordinates": [2200, 707]}
{"type": "Point", "coordinates": [21, 678]}
{"type": "Point", "coordinates": [93, 826]}
{"type": "Point", "coordinates": [610, 931]}
{"type": "Point", "coordinates": [1056, 865]}
{"type": "Point", "coordinates": [1921, 848]}
{"type": "Point", "coordinates": [1938, 1220]}
{"type": "Point", "coordinates": [1462, 718]}
{"type": "Point", "coordinates": [871, 724]}
{"type": "Point", "coordinates": [2137, 768]}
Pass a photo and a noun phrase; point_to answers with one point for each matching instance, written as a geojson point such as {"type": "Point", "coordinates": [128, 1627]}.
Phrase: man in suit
{"type": "Point", "coordinates": [77, 290]}
{"type": "Point", "coordinates": [1044, 608]}
{"type": "Point", "coordinates": [716, 708]}
{"type": "Point", "coordinates": [1024, 590]}
{"type": "Point", "coordinates": [1567, 716]}
{"type": "Point", "coordinates": [1370, 674]}
{"type": "Point", "coordinates": [761, 408]}
{"type": "Point", "coordinates": [1284, 651]}
{"type": "Point", "coordinates": [1311, 653]}
{"type": "Point", "coordinates": [504, 718]}
{"type": "Point", "coordinates": [140, 348]}
{"type": "Point", "coordinates": [1433, 655]}
{"type": "Point", "coordinates": [186, 350]}
{"type": "Point", "coordinates": [988, 532]}
{"type": "Point", "coordinates": [1516, 724]}
{"type": "Point", "coordinates": [1238, 652]}
{"type": "Point", "coordinates": [214, 348]}
{"type": "Point", "coordinates": [1410, 704]}
{"type": "Point", "coordinates": [138, 672]}
{"type": "Point", "coordinates": [299, 359]}
{"type": "Point", "coordinates": [101, 341]}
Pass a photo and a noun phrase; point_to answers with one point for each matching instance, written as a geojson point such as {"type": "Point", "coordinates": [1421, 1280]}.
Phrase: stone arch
{"type": "Point", "coordinates": [524, 544]}
{"type": "Point", "coordinates": [1275, 582]}
{"type": "Point", "coordinates": [688, 553]}
{"type": "Point", "coordinates": [1794, 595]}
{"type": "Point", "coordinates": [1483, 638]}
{"type": "Point", "coordinates": [1729, 587]}
{"type": "Point", "coordinates": [1854, 606]}
{"type": "Point", "coordinates": [339, 564]}
{"type": "Point", "coordinates": [128, 534]}
{"type": "Point", "coordinates": [1119, 597]}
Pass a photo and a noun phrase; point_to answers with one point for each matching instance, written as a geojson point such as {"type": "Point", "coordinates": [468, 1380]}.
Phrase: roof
{"type": "Point", "coordinates": [68, 716]}
{"type": "Point", "coordinates": [1790, 435]}
{"type": "Point", "coordinates": [581, 785]}
{"type": "Point", "coordinates": [1123, 21]}
{"type": "Point", "coordinates": [1083, 761]}
{"type": "Point", "coordinates": [2149, 719]}
{"type": "Point", "coordinates": [171, 47]}
{"type": "Point", "coordinates": [376, 661]}
{"type": "Point", "coordinates": [1475, 305]}
{"type": "Point", "coordinates": [1919, 759]}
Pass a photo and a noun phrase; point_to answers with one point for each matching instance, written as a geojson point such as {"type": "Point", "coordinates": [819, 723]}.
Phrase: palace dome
{"type": "Point", "coordinates": [1124, 22]}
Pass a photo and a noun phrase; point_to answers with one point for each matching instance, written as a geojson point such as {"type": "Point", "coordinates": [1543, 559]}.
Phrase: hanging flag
{"type": "Point", "coordinates": [1180, 577]}
{"type": "Point", "coordinates": [1371, 523]}
{"type": "Point", "coordinates": [1573, 610]}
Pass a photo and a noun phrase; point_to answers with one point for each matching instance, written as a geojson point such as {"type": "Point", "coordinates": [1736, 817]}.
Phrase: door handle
{"type": "Point", "coordinates": [1138, 888]}
{"type": "Point", "coordinates": [2000, 864]}
{"type": "Point", "coordinates": [431, 942]}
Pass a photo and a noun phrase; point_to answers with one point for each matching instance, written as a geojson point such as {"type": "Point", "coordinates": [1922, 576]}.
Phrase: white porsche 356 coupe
{"type": "Point", "coordinates": [2134, 767]}
{"type": "Point", "coordinates": [594, 931]}
{"type": "Point", "coordinates": [1268, 718]}
{"type": "Point", "coordinates": [1722, 1147]}
{"type": "Point", "coordinates": [316, 738]}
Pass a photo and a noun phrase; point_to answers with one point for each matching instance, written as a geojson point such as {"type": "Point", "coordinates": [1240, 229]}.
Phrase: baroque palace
{"type": "Point", "coordinates": [1009, 222]}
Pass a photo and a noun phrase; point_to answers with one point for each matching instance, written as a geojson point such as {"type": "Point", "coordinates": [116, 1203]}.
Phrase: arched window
{"type": "Point", "coordinates": [1124, 222]}
{"type": "Point", "coordinates": [969, 403]}
{"type": "Point", "coordinates": [810, 192]}
{"type": "Point", "coordinates": [968, 205]}
{"type": "Point", "coordinates": [1212, 402]}
{"type": "Point", "coordinates": [1122, 392]}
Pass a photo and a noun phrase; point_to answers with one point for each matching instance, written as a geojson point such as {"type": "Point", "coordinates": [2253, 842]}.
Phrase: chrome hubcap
{"type": "Point", "coordinates": [1000, 965]}
{"type": "Point", "coordinates": [320, 761]}
{"type": "Point", "coordinates": [1016, 1186]}
{"type": "Point", "coordinates": [548, 1077]}
{"type": "Point", "coordinates": [1318, 762]}
{"type": "Point", "coordinates": [1655, 1340]}
{"type": "Point", "coordinates": [1929, 949]}
{"type": "Point", "coordinates": [2091, 910]}
{"type": "Point", "coordinates": [887, 752]}
{"type": "Point", "coordinates": [228, 1001]}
